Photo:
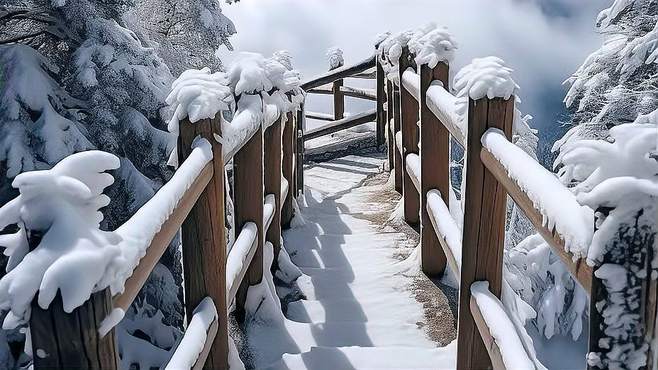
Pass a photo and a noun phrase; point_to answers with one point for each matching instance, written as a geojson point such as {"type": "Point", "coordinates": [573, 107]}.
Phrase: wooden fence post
{"type": "Point", "coordinates": [63, 340]}
{"type": "Point", "coordinates": [248, 205]}
{"type": "Point", "coordinates": [623, 318]}
{"type": "Point", "coordinates": [288, 169]}
{"type": "Point", "coordinates": [204, 239]}
{"type": "Point", "coordinates": [381, 116]}
{"type": "Point", "coordinates": [390, 128]}
{"type": "Point", "coordinates": [409, 118]}
{"type": "Point", "coordinates": [301, 120]}
{"type": "Point", "coordinates": [273, 163]}
{"type": "Point", "coordinates": [434, 169]}
{"type": "Point", "coordinates": [484, 226]}
{"type": "Point", "coordinates": [397, 127]}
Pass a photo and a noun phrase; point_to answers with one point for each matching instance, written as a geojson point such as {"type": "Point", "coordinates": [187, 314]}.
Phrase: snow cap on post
{"type": "Point", "coordinates": [434, 46]}
{"type": "Point", "coordinates": [74, 256]}
{"type": "Point", "coordinates": [197, 94]}
{"type": "Point", "coordinates": [335, 57]}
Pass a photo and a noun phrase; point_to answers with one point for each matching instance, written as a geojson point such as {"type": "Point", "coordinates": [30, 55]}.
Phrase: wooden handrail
{"type": "Point", "coordinates": [580, 270]}
{"type": "Point", "coordinates": [354, 92]}
{"type": "Point", "coordinates": [343, 124]}
{"type": "Point", "coordinates": [340, 73]}
{"type": "Point", "coordinates": [162, 239]}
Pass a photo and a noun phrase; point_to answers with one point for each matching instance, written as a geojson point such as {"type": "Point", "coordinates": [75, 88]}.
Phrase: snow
{"type": "Point", "coordinates": [447, 227]}
{"type": "Point", "coordinates": [433, 47]}
{"type": "Point", "coordinates": [237, 257]}
{"type": "Point", "coordinates": [501, 328]}
{"type": "Point", "coordinates": [195, 337]}
{"type": "Point", "coordinates": [413, 166]}
{"type": "Point", "coordinates": [112, 320]}
{"type": "Point", "coordinates": [441, 102]}
{"type": "Point", "coordinates": [617, 172]}
{"type": "Point", "coordinates": [335, 58]}
{"type": "Point", "coordinates": [411, 82]}
{"type": "Point", "coordinates": [558, 206]}
{"type": "Point", "coordinates": [63, 202]}
{"type": "Point", "coordinates": [268, 209]}
{"type": "Point", "coordinates": [357, 309]}
{"type": "Point", "coordinates": [485, 77]}
{"type": "Point", "coordinates": [197, 95]}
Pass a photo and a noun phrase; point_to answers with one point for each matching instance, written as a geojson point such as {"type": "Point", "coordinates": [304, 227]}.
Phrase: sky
{"type": "Point", "coordinates": [544, 41]}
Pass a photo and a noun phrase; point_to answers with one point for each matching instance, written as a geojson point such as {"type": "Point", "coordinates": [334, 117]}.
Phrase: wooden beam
{"type": "Point", "coordinates": [409, 117]}
{"type": "Point", "coordinates": [397, 127]}
{"type": "Point", "coordinates": [320, 116]}
{"type": "Point", "coordinates": [493, 350]}
{"type": "Point", "coordinates": [390, 129]}
{"type": "Point", "coordinates": [211, 334]}
{"type": "Point", "coordinates": [339, 101]}
{"type": "Point", "coordinates": [340, 73]}
{"type": "Point", "coordinates": [353, 92]}
{"type": "Point", "coordinates": [248, 201]}
{"type": "Point", "coordinates": [288, 169]}
{"type": "Point", "coordinates": [484, 226]}
{"type": "Point", "coordinates": [580, 270]}
{"type": "Point", "coordinates": [204, 240]}
{"type": "Point", "coordinates": [301, 126]}
{"type": "Point", "coordinates": [322, 90]}
{"type": "Point", "coordinates": [380, 97]}
{"type": "Point", "coordinates": [434, 169]}
{"type": "Point", "coordinates": [162, 239]}
{"type": "Point", "coordinates": [447, 251]}
{"type": "Point", "coordinates": [344, 124]}
{"type": "Point", "coordinates": [273, 168]}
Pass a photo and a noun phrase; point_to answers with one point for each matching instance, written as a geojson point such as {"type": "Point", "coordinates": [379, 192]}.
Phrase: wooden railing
{"type": "Point", "coordinates": [331, 83]}
{"type": "Point", "coordinates": [262, 206]}
{"type": "Point", "coordinates": [421, 119]}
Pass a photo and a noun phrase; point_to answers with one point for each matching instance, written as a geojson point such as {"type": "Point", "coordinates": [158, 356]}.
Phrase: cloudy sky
{"type": "Point", "coordinates": [544, 41]}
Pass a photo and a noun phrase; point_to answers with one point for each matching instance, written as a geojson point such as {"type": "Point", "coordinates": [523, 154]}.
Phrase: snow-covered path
{"type": "Point", "coordinates": [358, 309]}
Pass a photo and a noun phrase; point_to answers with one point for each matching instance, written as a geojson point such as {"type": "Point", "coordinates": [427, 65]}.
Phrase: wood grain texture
{"type": "Point", "coordinates": [340, 73]}
{"type": "Point", "coordinates": [434, 170]}
{"type": "Point", "coordinates": [203, 239]}
{"type": "Point", "coordinates": [484, 226]}
{"type": "Point", "coordinates": [397, 125]}
{"type": "Point", "coordinates": [409, 118]}
{"type": "Point", "coordinates": [580, 270]}
{"type": "Point", "coordinates": [301, 122]}
{"type": "Point", "coordinates": [162, 239]}
{"type": "Point", "coordinates": [288, 169]}
{"type": "Point", "coordinates": [339, 101]}
{"type": "Point", "coordinates": [71, 340]}
{"type": "Point", "coordinates": [248, 199]}
{"type": "Point", "coordinates": [380, 97]}
{"type": "Point", "coordinates": [390, 129]}
{"type": "Point", "coordinates": [273, 169]}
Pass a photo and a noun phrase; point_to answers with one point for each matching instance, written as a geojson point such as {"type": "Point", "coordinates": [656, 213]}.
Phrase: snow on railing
{"type": "Point", "coordinates": [59, 249]}
{"type": "Point", "coordinates": [446, 228]}
{"type": "Point", "coordinates": [200, 332]}
{"type": "Point", "coordinates": [497, 330]}
{"type": "Point", "coordinates": [411, 82]}
{"type": "Point", "coordinates": [557, 205]}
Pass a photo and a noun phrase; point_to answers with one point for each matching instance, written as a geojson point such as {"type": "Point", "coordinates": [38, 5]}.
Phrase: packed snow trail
{"type": "Point", "coordinates": [358, 309]}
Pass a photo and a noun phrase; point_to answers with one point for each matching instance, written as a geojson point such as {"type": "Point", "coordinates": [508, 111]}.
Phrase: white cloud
{"type": "Point", "coordinates": [543, 49]}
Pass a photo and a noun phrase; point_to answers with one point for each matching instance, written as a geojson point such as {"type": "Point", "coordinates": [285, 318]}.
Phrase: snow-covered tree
{"type": "Point", "coordinates": [87, 74]}
{"type": "Point", "coordinates": [613, 99]}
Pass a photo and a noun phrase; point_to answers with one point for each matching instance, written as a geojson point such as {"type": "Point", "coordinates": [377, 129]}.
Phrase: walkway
{"type": "Point", "coordinates": [361, 306]}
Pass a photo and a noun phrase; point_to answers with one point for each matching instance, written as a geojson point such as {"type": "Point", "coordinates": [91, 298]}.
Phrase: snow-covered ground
{"type": "Point", "coordinates": [358, 308]}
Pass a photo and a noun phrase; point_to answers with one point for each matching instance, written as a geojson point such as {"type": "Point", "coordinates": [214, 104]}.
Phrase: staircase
{"type": "Point", "coordinates": [359, 308]}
